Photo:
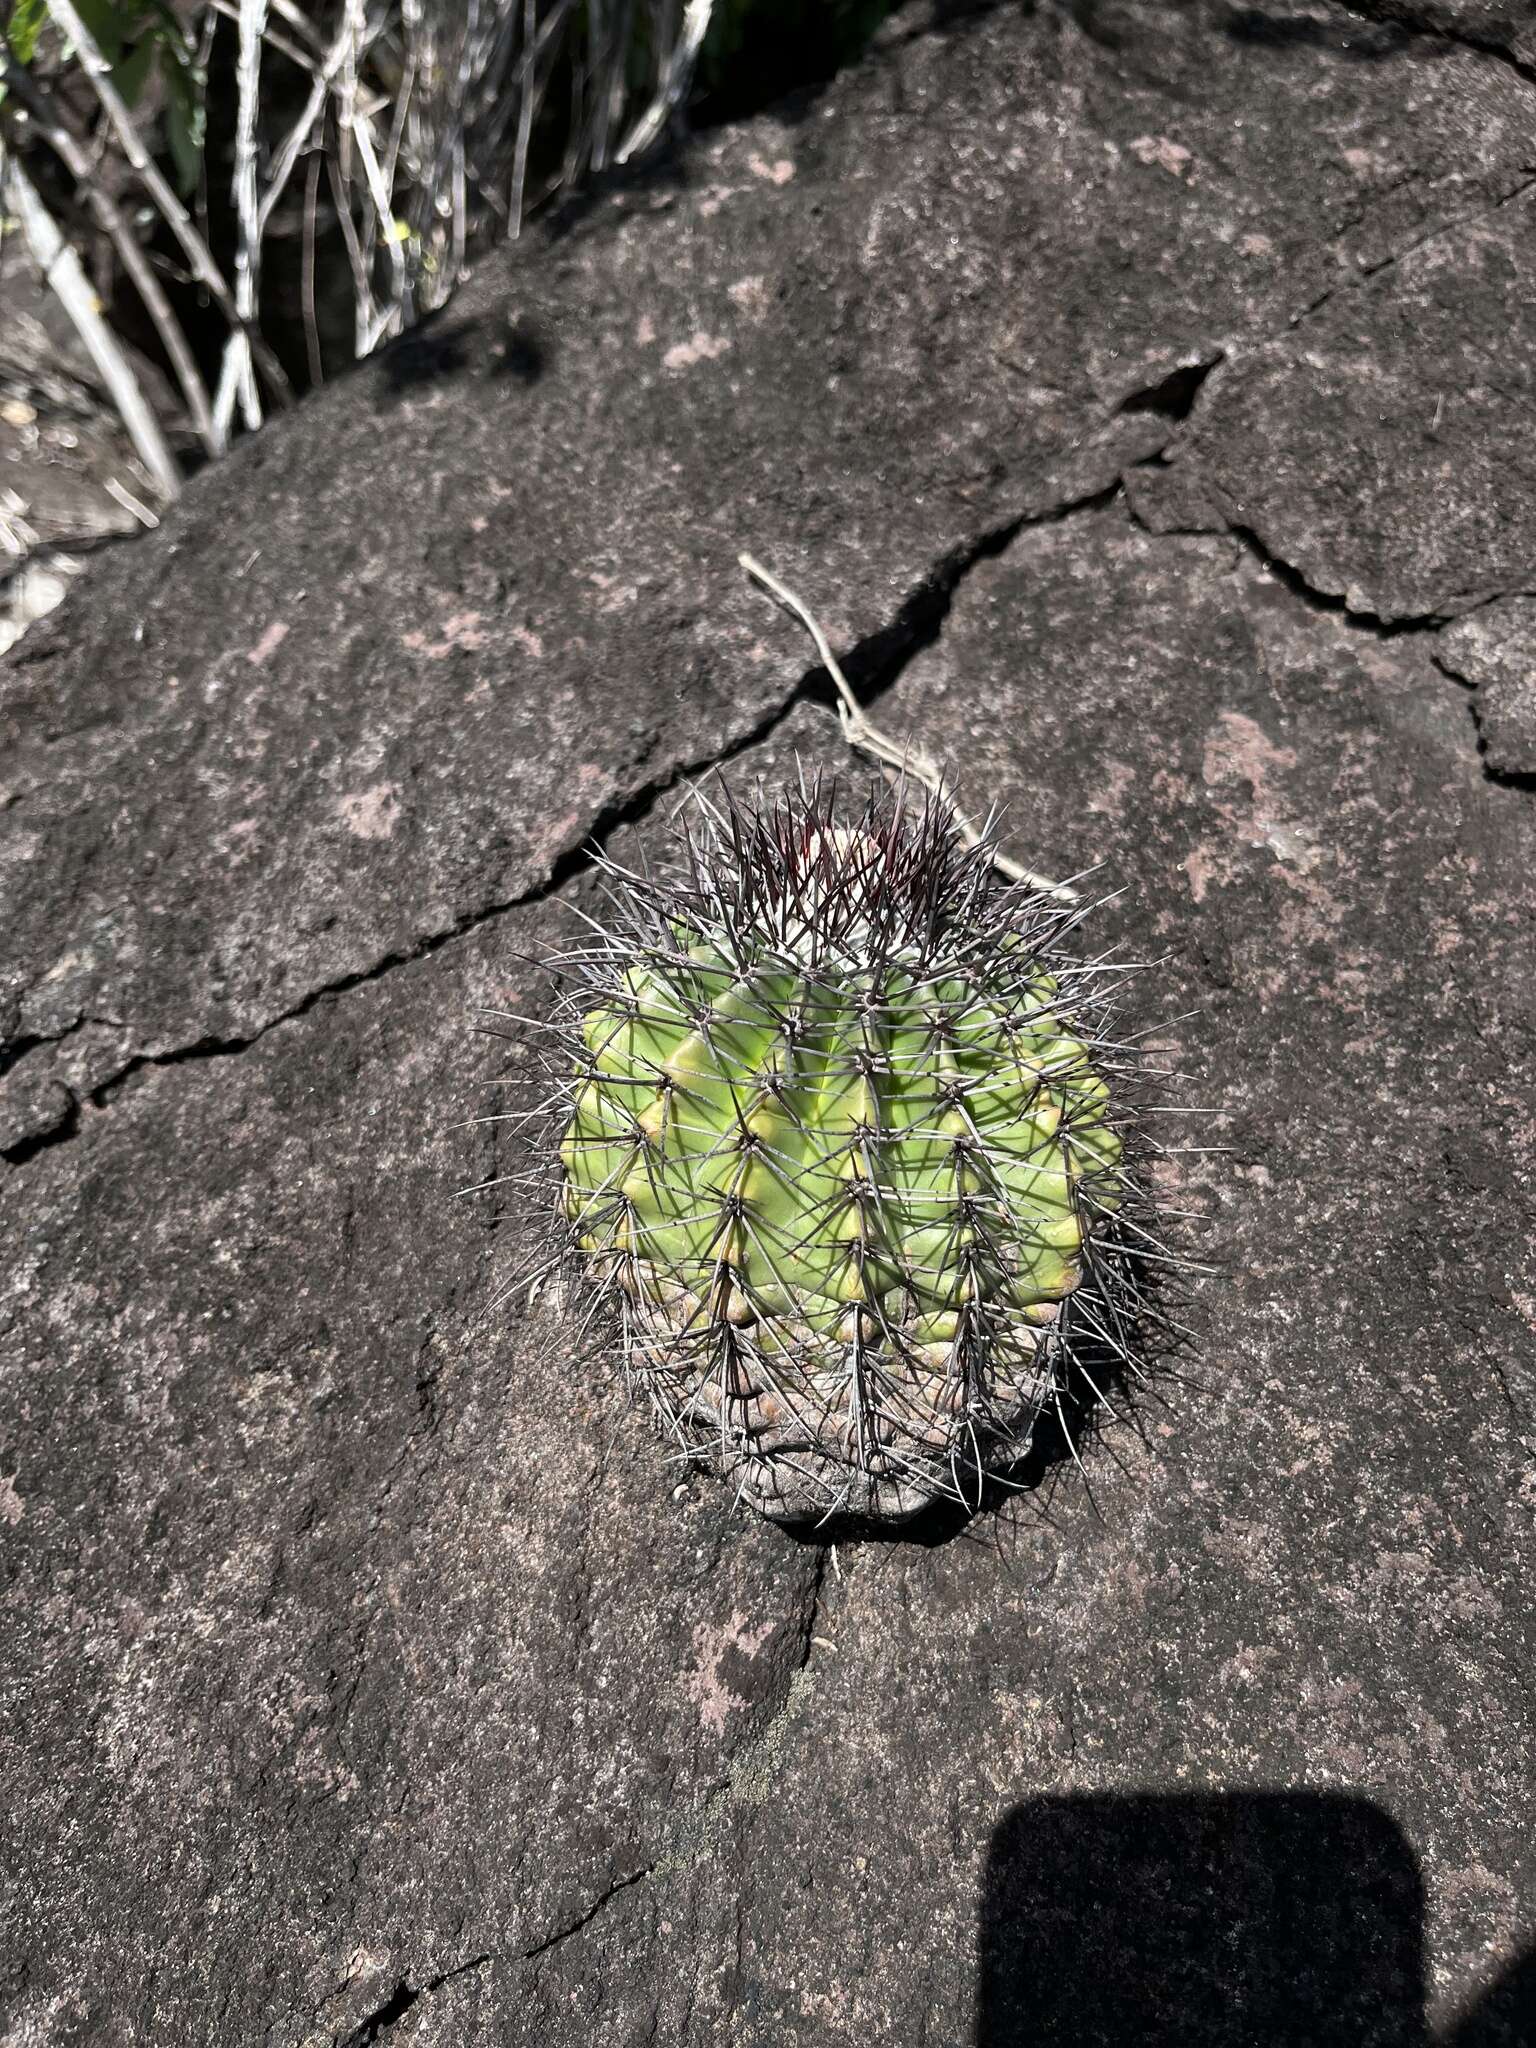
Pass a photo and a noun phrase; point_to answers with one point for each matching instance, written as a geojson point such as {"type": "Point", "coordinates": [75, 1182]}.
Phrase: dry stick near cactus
{"type": "Point", "coordinates": [909, 760]}
{"type": "Point", "coordinates": [837, 1141]}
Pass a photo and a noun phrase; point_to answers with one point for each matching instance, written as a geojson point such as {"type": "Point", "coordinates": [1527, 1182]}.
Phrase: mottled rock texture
{"type": "Point", "coordinates": [1495, 651]}
{"type": "Point", "coordinates": [370, 1675]}
{"type": "Point", "coordinates": [1501, 27]}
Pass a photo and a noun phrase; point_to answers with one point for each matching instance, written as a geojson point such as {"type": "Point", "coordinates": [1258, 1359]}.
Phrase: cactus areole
{"type": "Point", "coordinates": [839, 1145]}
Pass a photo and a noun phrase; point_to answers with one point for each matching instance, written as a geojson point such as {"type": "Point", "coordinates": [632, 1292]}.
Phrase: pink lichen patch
{"type": "Point", "coordinates": [268, 644]}
{"type": "Point", "coordinates": [371, 813]}
{"type": "Point", "coordinates": [559, 833]}
{"type": "Point", "coordinates": [1248, 1664]}
{"type": "Point", "coordinates": [1168, 155]}
{"type": "Point", "coordinates": [459, 629]}
{"type": "Point", "coordinates": [614, 593]}
{"type": "Point", "coordinates": [751, 295]}
{"type": "Point", "coordinates": [707, 1689]}
{"type": "Point", "coordinates": [240, 839]}
{"type": "Point", "coordinates": [11, 1509]}
{"type": "Point", "coordinates": [779, 172]}
{"type": "Point", "coordinates": [699, 348]}
{"type": "Point", "coordinates": [1239, 752]}
{"type": "Point", "coordinates": [1202, 868]}
{"type": "Point", "coordinates": [529, 641]}
{"type": "Point", "coordinates": [1314, 914]}
{"type": "Point", "coordinates": [1242, 749]}
{"type": "Point", "coordinates": [1168, 1175]}
{"type": "Point", "coordinates": [1110, 799]}
{"type": "Point", "coordinates": [645, 331]}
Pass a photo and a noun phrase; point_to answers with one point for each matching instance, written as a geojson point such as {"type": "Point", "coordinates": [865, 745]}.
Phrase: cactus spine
{"type": "Point", "coordinates": [837, 1139]}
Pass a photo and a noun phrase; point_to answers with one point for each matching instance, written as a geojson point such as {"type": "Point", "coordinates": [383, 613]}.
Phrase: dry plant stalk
{"type": "Point", "coordinates": [905, 758]}
{"type": "Point", "coordinates": [416, 124]}
{"type": "Point", "coordinates": [62, 270]}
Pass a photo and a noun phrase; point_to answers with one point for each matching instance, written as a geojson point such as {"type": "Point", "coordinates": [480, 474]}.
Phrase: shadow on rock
{"type": "Point", "coordinates": [436, 350]}
{"type": "Point", "coordinates": [1123, 28]}
{"type": "Point", "coordinates": [1266, 1919]}
{"type": "Point", "coordinates": [1099, 1391]}
{"type": "Point", "coordinates": [1059, 1451]}
{"type": "Point", "coordinates": [1271, 28]}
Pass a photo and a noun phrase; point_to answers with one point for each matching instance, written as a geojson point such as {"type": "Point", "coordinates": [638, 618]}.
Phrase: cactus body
{"type": "Point", "coordinates": [838, 1145]}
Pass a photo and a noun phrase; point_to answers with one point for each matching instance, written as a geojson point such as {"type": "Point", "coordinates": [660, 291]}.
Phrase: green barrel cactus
{"type": "Point", "coordinates": [838, 1142]}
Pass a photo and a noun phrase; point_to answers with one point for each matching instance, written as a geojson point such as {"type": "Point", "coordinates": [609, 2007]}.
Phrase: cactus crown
{"type": "Point", "coordinates": [836, 1137]}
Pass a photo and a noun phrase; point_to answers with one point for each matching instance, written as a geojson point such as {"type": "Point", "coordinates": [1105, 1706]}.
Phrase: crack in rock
{"type": "Point", "coordinates": [1370, 271]}
{"type": "Point", "coordinates": [1292, 579]}
{"type": "Point", "coordinates": [1491, 654]}
{"type": "Point", "coordinates": [1495, 767]}
{"type": "Point", "coordinates": [1418, 21]}
{"type": "Point", "coordinates": [37, 1041]}
{"type": "Point", "coordinates": [622, 811]}
{"type": "Point", "coordinates": [1285, 573]}
{"type": "Point", "coordinates": [751, 1776]}
{"type": "Point", "coordinates": [754, 1773]}
{"type": "Point", "coordinates": [874, 665]}
{"type": "Point", "coordinates": [400, 2001]}
{"type": "Point", "coordinates": [813, 1605]}
{"type": "Point", "coordinates": [1173, 397]}
{"type": "Point", "coordinates": [622, 1884]}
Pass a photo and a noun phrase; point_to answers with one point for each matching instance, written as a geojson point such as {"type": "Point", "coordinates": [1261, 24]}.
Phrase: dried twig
{"type": "Point", "coordinates": [672, 86]}
{"type": "Point", "coordinates": [323, 80]}
{"type": "Point", "coordinates": [49, 122]}
{"type": "Point", "coordinates": [905, 757]}
{"type": "Point", "coordinates": [239, 375]}
{"type": "Point", "coordinates": [64, 274]}
{"type": "Point", "coordinates": [177, 219]}
{"type": "Point", "coordinates": [274, 38]}
{"type": "Point", "coordinates": [129, 503]}
{"type": "Point", "coordinates": [312, 347]}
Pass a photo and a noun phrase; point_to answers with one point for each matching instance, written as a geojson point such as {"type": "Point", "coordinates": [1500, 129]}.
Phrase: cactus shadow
{"type": "Point", "coordinates": [1100, 1397]}
{"type": "Point", "coordinates": [1061, 1442]}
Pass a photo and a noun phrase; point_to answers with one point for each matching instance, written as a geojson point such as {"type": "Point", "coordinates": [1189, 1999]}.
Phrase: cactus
{"type": "Point", "coordinates": [836, 1138]}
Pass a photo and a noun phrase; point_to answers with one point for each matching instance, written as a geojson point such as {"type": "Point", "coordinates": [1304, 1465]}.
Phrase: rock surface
{"type": "Point", "coordinates": [1503, 26]}
{"type": "Point", "coordinates": [371, 1675]}
{"type": "Point", "coordinates": [1495, 651]}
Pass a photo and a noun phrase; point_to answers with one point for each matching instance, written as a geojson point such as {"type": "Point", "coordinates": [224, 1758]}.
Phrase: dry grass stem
{"type": "Point", "coordinates": [899, 757]}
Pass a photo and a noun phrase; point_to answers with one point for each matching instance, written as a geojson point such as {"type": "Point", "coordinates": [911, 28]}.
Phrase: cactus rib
{"type": "Point", "coordinates": [837, 1136]}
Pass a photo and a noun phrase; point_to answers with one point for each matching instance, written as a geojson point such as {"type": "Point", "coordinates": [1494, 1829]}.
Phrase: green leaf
{"type": "Point", "coordinates": [107, 20]}
{"type": "Point", "coordinates": [185, 120]}
{"type": "Point", "coordinates": [132, 74]}
{"type": "Point", "coordinates": [26, 25]}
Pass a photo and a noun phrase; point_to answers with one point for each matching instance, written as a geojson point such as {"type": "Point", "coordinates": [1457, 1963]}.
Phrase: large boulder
{"type": "Point", "coordinates": [401, 652]}
{"type": "Point", "coordinates": [371, 1673]}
